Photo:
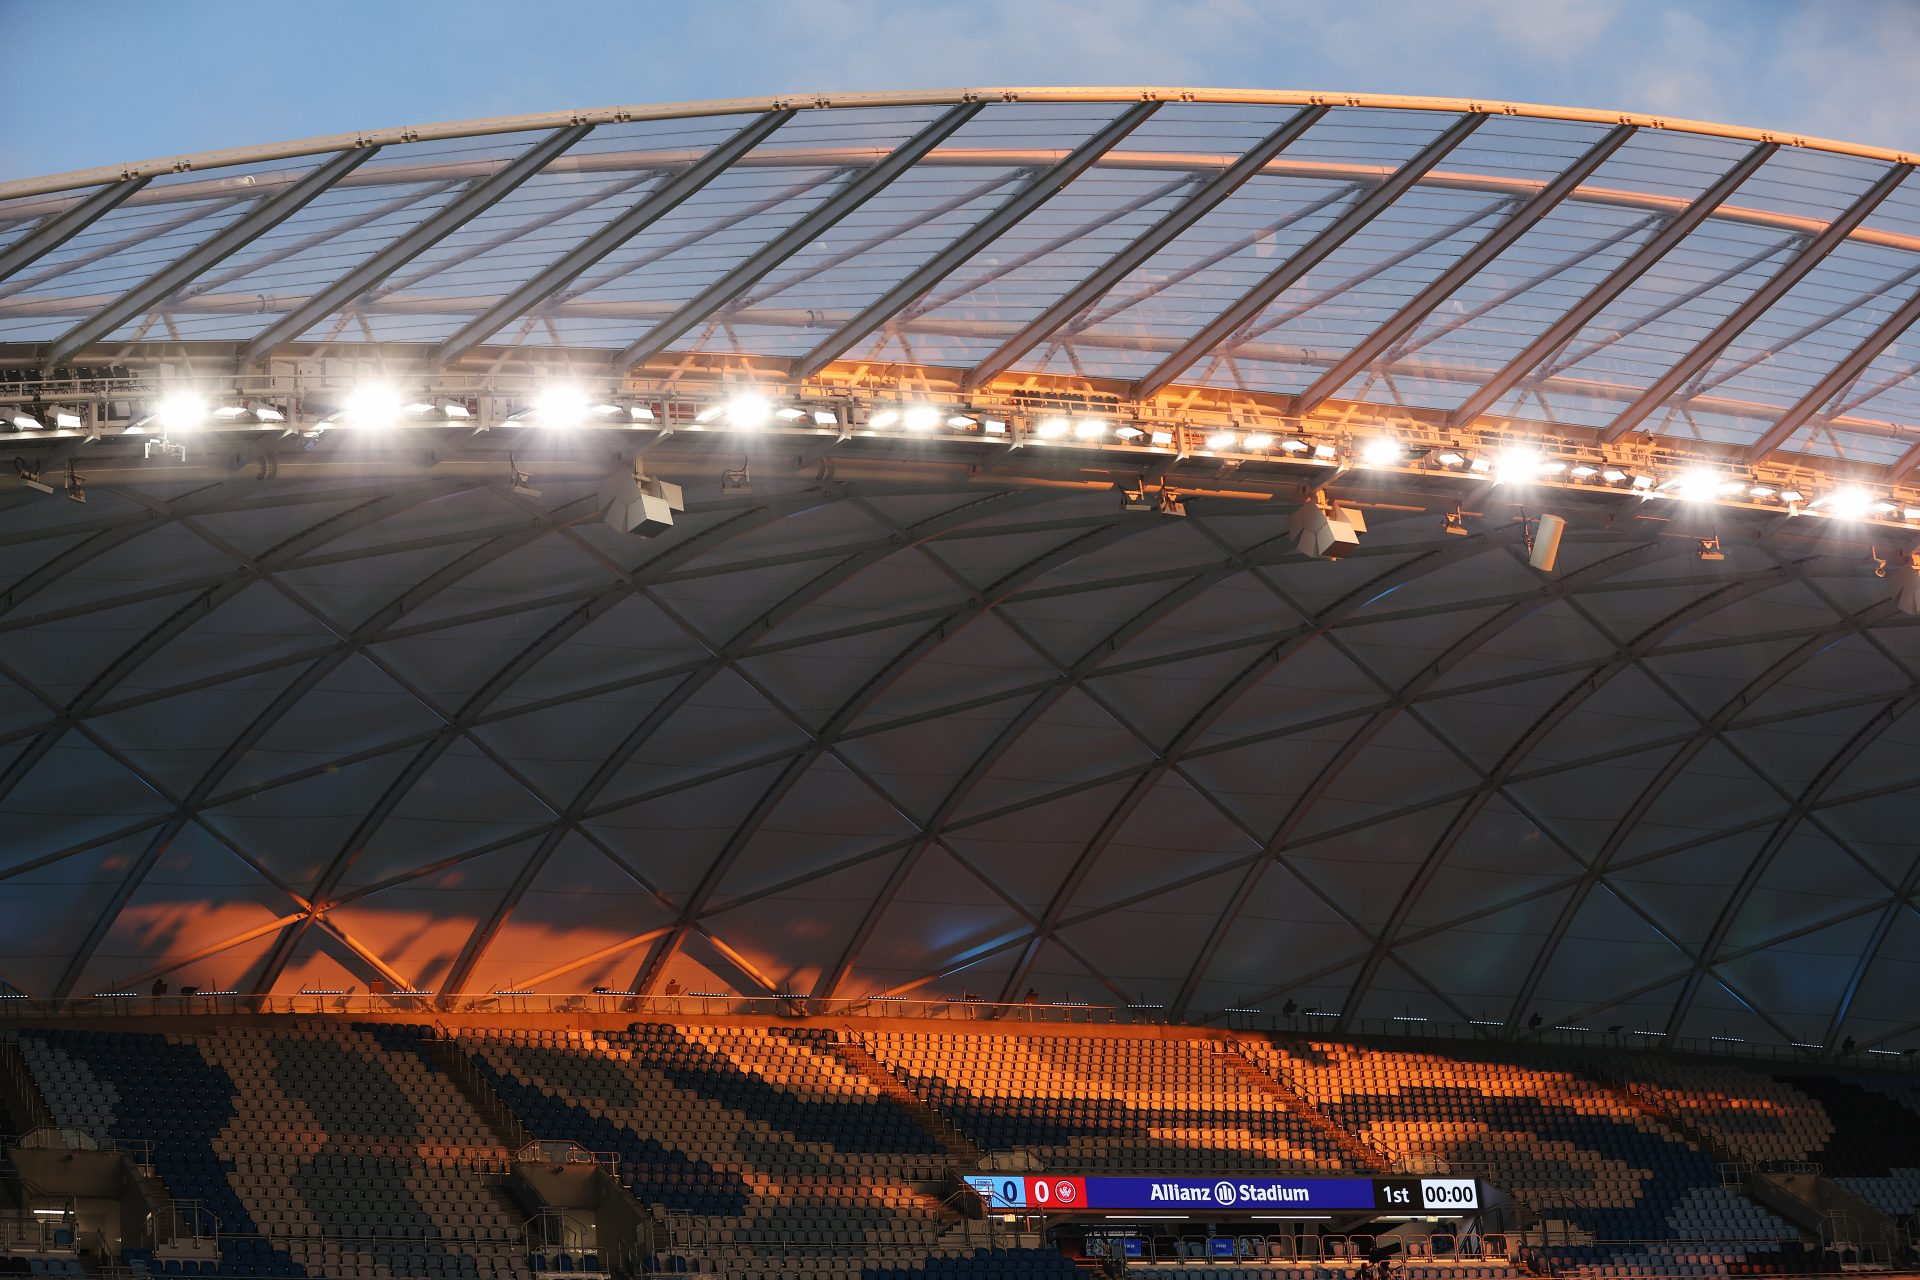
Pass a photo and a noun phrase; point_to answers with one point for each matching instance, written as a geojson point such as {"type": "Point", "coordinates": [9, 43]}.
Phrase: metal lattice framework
{"type": "Point", "coordinates": [915, 715]}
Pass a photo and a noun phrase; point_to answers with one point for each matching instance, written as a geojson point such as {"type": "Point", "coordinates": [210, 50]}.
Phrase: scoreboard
{"type": "Point", "coordinates": [1059, 1193]}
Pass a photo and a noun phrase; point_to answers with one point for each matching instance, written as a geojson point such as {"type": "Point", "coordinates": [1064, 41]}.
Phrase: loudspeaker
{"type": "Point", "coordinates": [1328, 534]}
{"type": "Point", "coordinates": [1546, 543]}
{"type": "Point", "coordinates": [640, 505]}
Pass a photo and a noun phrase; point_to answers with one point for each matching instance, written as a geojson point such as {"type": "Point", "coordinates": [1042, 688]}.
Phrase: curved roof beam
{"type": "Point", "coordinates": [1403, 699]}
{"type": "Point", "coordinates": [177, 274]}
{"type": "Point", "coordinates": [1576, 317]}
{"type": "Point", "coordinates": [1755, 304]}
{"type": "Point", "coordinates": [1212, 339]}
{"type": "Point", "coordinates": [1423, 304]}
{"type": "Point", "coordinates": [1035, 192]}
{"type": "Point", "coordinates": [476, 200]}
{"type": "Point", "coordinates": [796, 237]}
{"type": "Point", "coordinates": [1509, 764]}
{"type": "Point", "coordinates": [561, 272]}
{"type": "Point", "coordinates": [1670, 772]}
{"type": "Point", "coordinates": [1157, 237]}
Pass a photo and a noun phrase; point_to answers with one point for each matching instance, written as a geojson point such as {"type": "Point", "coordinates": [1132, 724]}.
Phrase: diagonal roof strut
{"type": "Point", "coordinates": [1755, 304]}
{"type": "Point", "coordinates": [1469, 265]}
{"type": "Point", "coordinates": [1149, 242]}
{"type": "Point", "coordinates": [564, 270]}
{"type": "Point", "coordinates": [456, 214]}
{"type": "Point", "coordinates": [1283, 277]}
{"type": "Point", "coordinates": [796, 237]}
{"type": "Point", "coordinates": [64, 226]}
{"type": "Point", "coordinates": [1617, 282]}
{"type": "Point", "coordinates": [222, 245]}
{"type": "Point", "coordinates": [1035, 192]}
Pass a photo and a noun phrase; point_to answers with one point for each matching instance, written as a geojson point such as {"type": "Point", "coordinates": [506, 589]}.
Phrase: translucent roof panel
{"type": "Point", "coordinates": [1273, 290]}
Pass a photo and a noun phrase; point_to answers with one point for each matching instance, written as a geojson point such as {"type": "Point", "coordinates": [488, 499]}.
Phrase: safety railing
{"type": "Point", "coordinates": [707, 1004]}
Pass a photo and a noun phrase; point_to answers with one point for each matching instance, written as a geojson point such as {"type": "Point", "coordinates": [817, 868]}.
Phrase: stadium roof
{"type": "Point", "coordinates": [909, 698]}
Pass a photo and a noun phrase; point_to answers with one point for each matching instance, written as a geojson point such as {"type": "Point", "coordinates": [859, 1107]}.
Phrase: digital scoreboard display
{"type": "Point", "coordinates": [1058, 1193]}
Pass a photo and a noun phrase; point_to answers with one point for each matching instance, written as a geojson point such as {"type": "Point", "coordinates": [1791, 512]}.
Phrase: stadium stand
{"type": "Point", "coordinates": [1105, 1104]}
{"type": "Point", "coordinates": [1563, 1145]}
{"type": "Point", "coordinates": [764, 1146]}
{"type": "Point", "coordinates": [1874, 1150]}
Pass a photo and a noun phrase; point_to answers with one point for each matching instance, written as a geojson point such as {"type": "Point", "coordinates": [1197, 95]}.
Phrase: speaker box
{"type": "Point", "coordinates": [1546, 543]}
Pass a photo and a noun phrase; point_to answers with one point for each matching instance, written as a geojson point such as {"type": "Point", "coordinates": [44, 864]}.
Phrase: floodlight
{"type": "Point", "coordinates": [370, 406]}
{"type": "Point", "coordinates": [455, 409]}
{"type": "Point", "coordinates": [1517, 465]}
{"type": "Point", "coordinates": [273, 413]}
{"type": "Point", "coordinates": [1258, 440]}
{"type": "Point", "coordinates": [1696, 485]}
{"type": "Point", "coordinates": [25, 422]}
{"type": "Point", "coordinates": [789, 414]}
{"type": "Point", "coordinates": [1161, 439]}
{"type": "Point", "coordinates": [1550, 468]}
{"type": "Point", "coordinates": [994, 426]}
{"type": "Point", "coordinates": [230, 411]}
{"type": "Point", "coordinates": [1129, 433]}
{"type": "Point", "coordinates": [1450, 459]}
{"type": "Point", "coordinates": [1792, 495]}
{"type": "Point", "coordinates": [1848, 504]}
{"type": "Point", "coordinates": [1090, 428]}
{"type": "Point", "coordinates": [417, 408]}
{"type": "Point", "coordinates": [1294, 446]}
{"type": "Point", "coordinates": [1584, 472]}
{"type": "Point", "coordinates": [709, 413]}
{"type": "Point", "coordinates": [883, 419]}
{"type": "Point", "coordinates": [920, 417]}
{"type": "Point", "coordinates": [748, 412]}
{"type": "Point", "coordinates": [1221, 440]}
{"type": "Point", "coordinates": [181, 411]}
{"type": "Point", "coordinates": [825, 418]}
{"type": "Point", "coordinates": [1381, 453]}
{"type": "Point", "coordinates": [1613, 475]}
{"type": "Point", "coordinates": [961, 422]}
{"type": "Point", "coordinates": [1050, 428]}
{"type": "Point", "coordinates": [1643, 483]}
{"type": "Point", "coordinates": [1323, 451]}
{"type": "Point", "coordinates": [561, 406]}
{"type": "Point", "coordinates": [1480, 466]}
{"type": "Point", "coordinates": [1760, 491]}
{"type": "Point", "coordinates": [640, 413]}
{"type": "Point", "coordinates": [65, 420]}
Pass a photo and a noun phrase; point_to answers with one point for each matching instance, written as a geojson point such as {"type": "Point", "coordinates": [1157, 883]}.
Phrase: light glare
{"type": "Point", "coordinates": [748, 412]}
{"type": "Point", "coordinates": [370, 406]}
{"type": "Point", "coordinates": [1380, 453]}
{"type": "Point", "coordinates": [560, 407]}
{"type": "Point", "coordinates": [921, 417]}
{"type": "Point", "coordinates": [181, 411]}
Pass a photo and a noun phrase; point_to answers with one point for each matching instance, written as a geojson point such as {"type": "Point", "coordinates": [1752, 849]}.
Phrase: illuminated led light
{"type": "Point", "coordinates": [1760, 491]}
{"type": "Point", "coordinates": [1450, 459]}
{"type": "Point", "coordinates": [1847, 504]}
{"type": "Point", "coordinates": [1162, 439]}
{"type": "Point", "coordinates": [1380, 453]}
{"type": "Point", "coordinates": [709, 413]}
{"type": "Point", "coordinates": [994, 426]}
{"type": "Point", "coordinates": [1884, 508]}
{"type": "Point", "coordinates": [1323, 451]}
{"type": "Point", "coordinates": [1259, 440]}
{"type": "Point", "coordinates": [417, 407]}
{"type": "Point", "coordinates": [790, 414]}
{"type": "Point", "coordinates": [456, 409]}
{"type": "Point", "coordinates": [1551, 468]}
{"type": "Point", "coordinates": [23, 422]}
{"type": "Point", "coordinates": [181, 411]}
{"type": "Point", "coordinates": [1697, 485]}
{"type": "Point", "coordinates": [1613, 475]}
{"type": "Point", "coordinates": [1911, 513]}
{"type": "Point", "coordinates": [920, 417]}
{"type": "Point", "coordinates": [1584, 472]}
{"type": "Point", "coordinates": [1129, 433]}
{"type": "Point", "coordinates": [1643, 482]}
{"type": "Point", "coordinates": [1792, 495]}
{"type": "Point", "coordinates": [1221, 440]}
{"type": "Point", "coordinates": [1294, 446]}
{"type": "Point", "coordinates": [1480, 465]}
{"type": "Point", "coordinates": [560, 406]}
{"type": "Point", "coordinates": [229, 411]}
{"type": "Point", "coordinates": [1051, 428]}
{"type": "Point", "coordinates": [1090, 428]}
{"type": "Point", "coordinates": [883, 419]}
{"type": "Point", "coordinates": [1517, 466]}
{"type": "Point", "coordinates": [825, 418]}
{"type": "Point", "coordinates": [66, 421]}
{"type": "Point", "coordinates": [640, 413]}
{"type": "Point", "coordinates": [747, 412]}
{"type": "Point", "coordinates": [961, 422]}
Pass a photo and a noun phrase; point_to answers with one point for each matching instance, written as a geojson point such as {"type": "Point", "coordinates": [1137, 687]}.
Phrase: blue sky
{"type": "Point", "coordinates": [103, 81]}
